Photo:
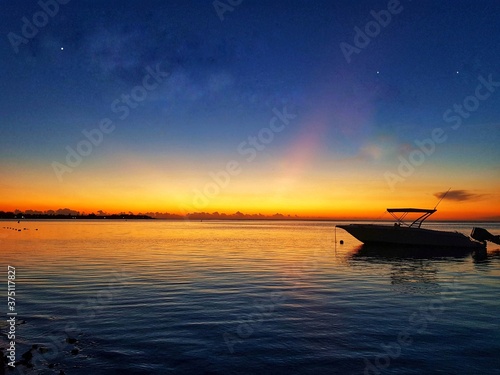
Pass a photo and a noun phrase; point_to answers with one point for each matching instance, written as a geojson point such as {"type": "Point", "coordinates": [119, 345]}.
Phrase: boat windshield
{"type": "Point", "coordinates": [400, 215]}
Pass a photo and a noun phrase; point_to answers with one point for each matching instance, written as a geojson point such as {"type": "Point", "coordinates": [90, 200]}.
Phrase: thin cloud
{"type": "Point", "coordinates": [459, 195]}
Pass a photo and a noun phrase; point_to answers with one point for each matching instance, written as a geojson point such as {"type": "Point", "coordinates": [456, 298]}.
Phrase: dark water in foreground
{"type": "Point", "coordinates": [244, 298]}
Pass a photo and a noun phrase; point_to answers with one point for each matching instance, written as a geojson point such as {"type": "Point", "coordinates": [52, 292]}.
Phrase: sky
{"type": "Point", "coordinates": [313, 108]}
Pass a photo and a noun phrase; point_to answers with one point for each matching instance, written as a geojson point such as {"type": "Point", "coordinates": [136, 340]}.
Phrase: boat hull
{"type": "Point", "coordinates": [398, 235]}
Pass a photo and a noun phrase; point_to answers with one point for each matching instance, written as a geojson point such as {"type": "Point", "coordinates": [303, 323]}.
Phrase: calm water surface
{"type": "Point", "coordinates": [158, 297]}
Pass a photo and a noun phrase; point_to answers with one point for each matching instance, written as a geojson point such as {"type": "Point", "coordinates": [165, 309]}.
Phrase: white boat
{"type": "Point", "coordinates": [412, 234]}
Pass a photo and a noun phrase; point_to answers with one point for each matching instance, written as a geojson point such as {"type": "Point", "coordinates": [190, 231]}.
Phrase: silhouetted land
{"type": "Point", "coordinates": [66, 213]}
{"type": "Point", "coordinates": [71, 214]}
{"type": "Point", "coordinates": [43, 216]}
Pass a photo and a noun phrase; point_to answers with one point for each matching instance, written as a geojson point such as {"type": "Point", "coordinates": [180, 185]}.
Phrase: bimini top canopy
{"type": "Point", "coordinates": [405, 211]}
{"type": "Point", "coordinates": [431, 210]}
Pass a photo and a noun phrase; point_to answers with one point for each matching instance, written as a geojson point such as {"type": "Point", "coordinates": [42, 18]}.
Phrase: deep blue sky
{"type": "Point", "coordinates": [225, 77]}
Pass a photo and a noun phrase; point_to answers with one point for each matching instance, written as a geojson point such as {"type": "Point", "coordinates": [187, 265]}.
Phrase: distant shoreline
{"type": "Point", "coordinates": [12, 216]}
{"type": "Point", "coordinates": [67, 214]}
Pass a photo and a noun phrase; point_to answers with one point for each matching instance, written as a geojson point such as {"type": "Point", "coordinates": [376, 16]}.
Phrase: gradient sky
{"type": "Point", "coordinates": [351, 124]}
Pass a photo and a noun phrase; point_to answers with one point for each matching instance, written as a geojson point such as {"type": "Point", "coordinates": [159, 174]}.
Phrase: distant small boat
{"type": "Point", "coordinates": [412, 234]}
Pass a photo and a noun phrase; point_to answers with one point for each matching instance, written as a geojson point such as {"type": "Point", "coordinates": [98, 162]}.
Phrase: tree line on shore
{"type": "Point", "coordinates": [71, 214]}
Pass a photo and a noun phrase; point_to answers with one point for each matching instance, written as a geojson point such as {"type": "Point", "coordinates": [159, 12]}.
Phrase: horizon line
{"type": "Point", "coordinates": [74, 214]}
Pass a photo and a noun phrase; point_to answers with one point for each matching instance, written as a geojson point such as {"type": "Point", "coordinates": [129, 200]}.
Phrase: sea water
{"type": "Point", "coordinates": [242, 297]}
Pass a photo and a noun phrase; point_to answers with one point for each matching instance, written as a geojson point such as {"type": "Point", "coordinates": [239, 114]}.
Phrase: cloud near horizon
{"type": "Point", "coordinates": [459, 195]}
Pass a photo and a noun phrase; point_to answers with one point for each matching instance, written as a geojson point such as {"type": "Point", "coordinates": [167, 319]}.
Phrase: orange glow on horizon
{"type": "Point", "coordinates": [329, 189]}
{"type": "Point", "coordinates": [361, 211]}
